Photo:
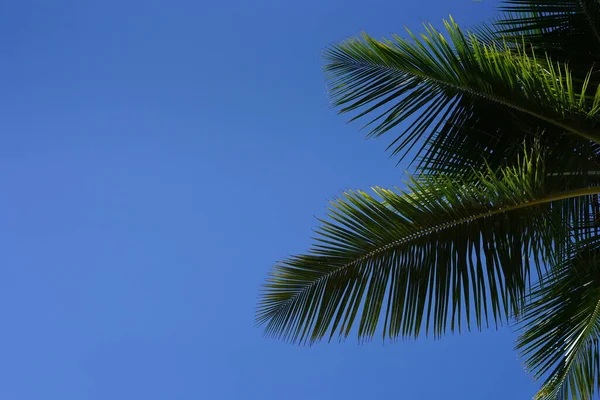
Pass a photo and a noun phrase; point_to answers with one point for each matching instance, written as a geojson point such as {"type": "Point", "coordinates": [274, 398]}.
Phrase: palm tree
{"type": "Point", "coordinates": [500, 220]}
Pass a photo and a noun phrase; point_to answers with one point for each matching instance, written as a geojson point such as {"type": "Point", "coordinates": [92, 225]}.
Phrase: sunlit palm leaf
{"type": "Point", "coordinates": [562, 327]}
{"type": "Point", "coordinates": [442, 252]}
{"type": "Point", "coordinates": [444, 84]}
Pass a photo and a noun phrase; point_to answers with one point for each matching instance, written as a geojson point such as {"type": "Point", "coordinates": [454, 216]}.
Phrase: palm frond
{"type": "Point", "coordinates": [562, 327]}
{"type": "Point", "coordinates": [568, 30]}
{"type": "Point", "coordinates": [443, 252]}
{"type": "Point", "coordinates": [462, 94]}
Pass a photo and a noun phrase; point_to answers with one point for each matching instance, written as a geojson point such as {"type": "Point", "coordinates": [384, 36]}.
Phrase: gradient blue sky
{"type": "Point", "coordinates": [156, 158]}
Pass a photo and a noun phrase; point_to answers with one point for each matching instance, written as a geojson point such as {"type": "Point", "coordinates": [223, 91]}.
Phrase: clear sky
{"type": "Point", "coordinates": [156, 158]}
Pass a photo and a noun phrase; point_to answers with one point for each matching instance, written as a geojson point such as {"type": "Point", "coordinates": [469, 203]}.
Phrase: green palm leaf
{"type": "Point", "coordinates": [460, 245]}
{"type": "Point", "coordinates": [462, 94]}
{"type": "Point", "coordinates": [443, 252]}
{"type": "Point", "coordinates": [568, 30]}
{"type": "Point", "coordinates": [562, 327]}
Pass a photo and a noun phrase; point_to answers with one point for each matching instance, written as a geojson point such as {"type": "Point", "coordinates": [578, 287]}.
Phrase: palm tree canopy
{"type": "Point", "coordinates": [500, 219]}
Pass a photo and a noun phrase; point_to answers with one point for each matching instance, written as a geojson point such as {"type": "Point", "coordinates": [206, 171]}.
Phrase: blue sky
{"type": "Point", "coordinates": [156, 158]}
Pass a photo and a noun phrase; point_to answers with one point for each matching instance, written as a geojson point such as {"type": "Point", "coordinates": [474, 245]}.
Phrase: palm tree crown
{"type": "Point", "coordinates": [500, 220]}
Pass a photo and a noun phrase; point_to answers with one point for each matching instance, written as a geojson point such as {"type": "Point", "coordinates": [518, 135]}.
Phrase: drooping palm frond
{"type": "Point", "coordinates": [463, 94]}
{"type": "Point", "coordinates": [442, 252]}
{"type": "Point", "coordinates": [568, 30]}
{"type": "Point", "coordinates": [562, 327]}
